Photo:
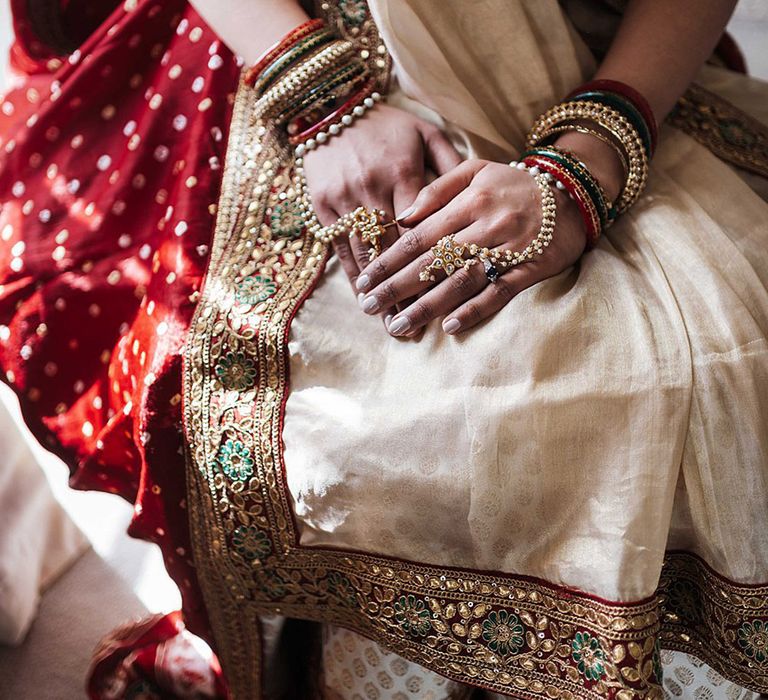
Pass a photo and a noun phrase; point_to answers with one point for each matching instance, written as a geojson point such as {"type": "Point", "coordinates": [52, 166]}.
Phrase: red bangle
{"type": "Point", "coordinates": [587, 208]}
{"type": "Point", "coordinates": [281, 46]}
{"type": "Point", "coordinates": [338, 113]}
{"type": "Point", "coordinates": [629, 93]}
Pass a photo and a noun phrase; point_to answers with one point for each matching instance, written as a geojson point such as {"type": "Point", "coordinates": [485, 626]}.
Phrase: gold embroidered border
{"type": "Point", "coordinates": [727, 131]}
{"type": "Point", "coordinates": [510, 634]}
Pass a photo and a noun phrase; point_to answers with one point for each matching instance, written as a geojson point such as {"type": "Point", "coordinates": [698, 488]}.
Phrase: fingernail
{"type": "Point", "coordinates": [387, 321]}
{"type": "Point", "coordinates": [370, 305]}
{"type": "Point", "coordinates": [451, 325]}
{"type": "Point", "coordinates": [360, 298]}
{"type": "Point", "coordinates": [408, 212]}
{"type": "Point", "coordinates": [363, 282]}
{"type": "Point", "coordinates": [399, 325]}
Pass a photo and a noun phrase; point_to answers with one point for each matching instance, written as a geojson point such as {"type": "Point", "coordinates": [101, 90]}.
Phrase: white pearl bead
{"type": "Point", "coordinates": [521, 166]}
{"type": "Point", "coordinates": [311, 144]}
{"type": "Point", "coordinates": [301, 149]}
{"type": "Point", "coordinates": [321, 137]}
{"type": "Point", "coordinates": [368, 102]}
{"type": "Point", "coordinates": [334, 129]}
{"type": "Point", "coordinates": [346, 120]}
{"type": "Point", "coordinates": [559, 185]}
{"type": "Point", "coordinates": [376, 96]}
{"type": "Point", "coordinates": [535, 170]}
{"type": "Point", "coordinates": [358, 111]}
{"type": "Point", "coordinates": [513, 164]}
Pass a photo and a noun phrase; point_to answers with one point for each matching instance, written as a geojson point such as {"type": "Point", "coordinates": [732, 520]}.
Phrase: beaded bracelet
{"type": "Point", "coordinates": [565, 181]}
{"type": "Point", "coordinates": [281, 46]}
{"type": "Point", "coordinates": [336, 128]}
{"type": "Point", "coordinates": [580, 172]}
{"type": "Point", "coordinates": [615, 123]}
{"type": "Point", "coordinates": [331, 124]}
{"type": "Point", "coordinates": [629, 93]}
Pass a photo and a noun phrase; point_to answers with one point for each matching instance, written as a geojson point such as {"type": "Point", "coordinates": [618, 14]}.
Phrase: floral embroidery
{"type": "Point", "coordinates": [341, 587]}
{"type": "Point", "coordinates": [254, 290]}
{"type": "Point", "coordinates": [285, 221]}
{"type": "Point", "coordinates": [235, 460]}
{"type": "Point", "coordinates": [251, 543]}
{"type": "Point", "coordinates": [412, 615]}
{"type": "Point", "coordinates": [503, 632]}
{"type": "Point", "coordinates": [236, 371]}
{"type": "Point", "coordinates": [354, 11]}
{"type": "Point", "coordinates": [753, 639]}
{"type": "Point", "coordinates": [588, 655]}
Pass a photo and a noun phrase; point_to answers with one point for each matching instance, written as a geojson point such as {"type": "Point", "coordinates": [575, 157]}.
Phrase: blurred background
{"type": "Point", "coordinates": [110, 577]}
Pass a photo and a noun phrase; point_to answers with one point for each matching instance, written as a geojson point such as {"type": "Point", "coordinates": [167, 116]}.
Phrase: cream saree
{"type": "Point", "coordinates": [535, 508]}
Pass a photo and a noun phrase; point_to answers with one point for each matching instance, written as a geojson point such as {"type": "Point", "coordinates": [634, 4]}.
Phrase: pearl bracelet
{"type": "Point", "coordinates": [336, 128]}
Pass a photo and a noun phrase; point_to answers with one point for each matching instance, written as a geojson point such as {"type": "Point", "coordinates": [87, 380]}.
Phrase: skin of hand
{"type": "Point", "coordinates": [482, 202]}
{"type": "Point", "coordinates": [379, 163]}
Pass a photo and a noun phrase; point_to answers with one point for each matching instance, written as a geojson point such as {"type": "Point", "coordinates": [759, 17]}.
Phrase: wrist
{"type": "Point", "coordinates": [601, 159]}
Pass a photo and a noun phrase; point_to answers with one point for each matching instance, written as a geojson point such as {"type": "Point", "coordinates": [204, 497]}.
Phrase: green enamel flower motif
{"type": "Point", "coordinates": [235, 460]}
{"type": "Point", "coordinates": [412, 615]}
{"type": "Point", "coordinates": [236, 371]}
{"type": "Point", "coordinates": [341, 587]}
{"type": "Point", "coordinates": [354, 11]}
{"type": "Point", "coordinates": [503, 632]}
{"type": "Point", "coordinates": [251, 543]}
{"type": "Point", "coordinates": [285, 221]}
{"type": "Point", "coordinates": [588, 655]}
{"type": "Point", "coordinates": [254, 290]}
{"type": "Point", "coordinates": [753, 639]}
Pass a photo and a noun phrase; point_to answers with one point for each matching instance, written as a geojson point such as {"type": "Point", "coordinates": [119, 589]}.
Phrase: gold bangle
{"type": "Point", "coordinates": [615, 123]}
{"type": "Point", "coordinates": [616, 146]}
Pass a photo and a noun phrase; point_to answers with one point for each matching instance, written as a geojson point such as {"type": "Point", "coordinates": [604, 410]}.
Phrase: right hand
{"type": "Point", "coordinates": [378, 162]}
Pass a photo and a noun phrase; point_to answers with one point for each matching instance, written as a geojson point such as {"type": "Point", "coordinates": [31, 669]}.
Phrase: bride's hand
{"type": "Point", "coordinates": [480, 202]}
{"type": "Point", "coordinates": [378, 163]}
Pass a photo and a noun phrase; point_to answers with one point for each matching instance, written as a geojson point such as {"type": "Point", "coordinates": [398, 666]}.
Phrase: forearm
{"type": "Point", "coordinates": [250, 27]}
{"type": "Point", "coordinates": [661, 45]}
{"type": "Point", "coordinates": [658, 50]}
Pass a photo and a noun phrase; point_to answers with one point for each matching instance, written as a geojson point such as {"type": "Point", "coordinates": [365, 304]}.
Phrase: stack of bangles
{"type": "Point", "coordinates": [617, 115]}
{"type": "Point", "coordinates": [312, 84]}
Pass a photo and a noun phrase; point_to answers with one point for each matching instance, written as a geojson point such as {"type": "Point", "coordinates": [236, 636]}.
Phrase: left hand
{"type": "Point", "coordinates": [481, 202]}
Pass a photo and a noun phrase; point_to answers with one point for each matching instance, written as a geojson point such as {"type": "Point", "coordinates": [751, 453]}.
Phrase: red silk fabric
{"type": "Point", "coordinates": [111, 159]}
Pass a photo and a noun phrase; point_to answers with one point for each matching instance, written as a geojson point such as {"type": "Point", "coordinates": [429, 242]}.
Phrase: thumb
{"type": "Point", "coordinates": [439, 152]}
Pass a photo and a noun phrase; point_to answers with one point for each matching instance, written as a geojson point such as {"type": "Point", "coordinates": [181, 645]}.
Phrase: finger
{"type": "Point", "coordinates": [405, 283]}
{"type": "Point", "coordinates": [413, 243]}
{"type": "Point", "coordinates": [440, 192]}
{"type": "Point", "coordinates": [493, 298]}
{"type": "Point", "coordinates": [347, 259]}
{"type": "Point", "coordinates": [445, 297]}
{"type": "Point", "coordinates": [439, 151]}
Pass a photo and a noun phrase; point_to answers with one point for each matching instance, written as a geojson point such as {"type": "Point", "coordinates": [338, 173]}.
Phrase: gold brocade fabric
{"type": "Point", "coordinates": [537, 507]}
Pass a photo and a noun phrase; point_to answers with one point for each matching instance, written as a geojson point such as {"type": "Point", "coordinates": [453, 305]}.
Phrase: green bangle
{"type": "Point", "coordinates": [292, 56]}
{"type": "Point", "coordinates": [348, 75]}
{"type": "Point", "coordinates": [625, 107]}
{"type": "Point", "coordinates": [581, 173]}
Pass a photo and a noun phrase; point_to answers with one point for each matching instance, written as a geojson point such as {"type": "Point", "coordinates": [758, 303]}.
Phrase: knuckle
{"type": "Point", "coordinates": [462, 282]}
{"type": "Point", "coordinates": [387, 293]}
{"type": "Point", "coordinates": [412, 242]}
{"type": "Point", "coordinates": [503, 289]}
{"type": "Point", "coordinates": [482, 198]}
{"type": "Point", "coordinates": [420, 313]}
{"type": "Point", "coordinates": [472, 312]}
{"type": "Point", "coordinates": [367, 180]}
{"type": "Point", "coordinates": [403, 169]}
{"type": "Point", "coordinates": [378, 269]}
